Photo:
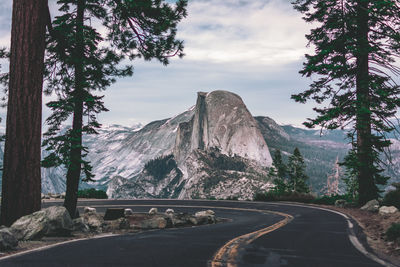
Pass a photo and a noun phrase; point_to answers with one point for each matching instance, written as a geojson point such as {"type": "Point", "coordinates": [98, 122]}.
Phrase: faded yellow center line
{"type": "Point", "coordinates": [227, 255]}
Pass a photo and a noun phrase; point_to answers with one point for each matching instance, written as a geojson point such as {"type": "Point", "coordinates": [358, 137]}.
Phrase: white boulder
{"type": "Point", "coordinates": [169, 211]}
{"type": "Point", "coordinates": [89, 210]}
{"type": "Point", "coordinates": [128, 212]}
{"type": "Point", "coordinates": [372, 206]}
{"type": "Point", "coordinates": [153, 211]}
{"type": "Point", "coordinates": [205, 213]}
{"type": "Point", "coordinates": [384, 210]}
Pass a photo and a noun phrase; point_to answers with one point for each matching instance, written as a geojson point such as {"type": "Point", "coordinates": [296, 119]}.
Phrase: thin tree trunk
{"type": "Point", "coordinates": [21, 182]}
{"type": "Point", "coordinates": [74, 170]}
{"type": "Point", "coordinates": [367, 187]}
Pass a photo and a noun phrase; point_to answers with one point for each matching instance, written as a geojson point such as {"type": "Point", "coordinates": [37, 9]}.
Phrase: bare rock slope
{"type": "Point", "coordinates": [218, 153]}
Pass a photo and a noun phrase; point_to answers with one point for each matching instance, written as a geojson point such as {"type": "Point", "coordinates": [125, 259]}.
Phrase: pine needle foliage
{"type": "Point", "coordinates": [356, 43]}
{"type": "Point", "coordinates": [296, 169]}
{"type": "Point", "coordinates": [81, 62]}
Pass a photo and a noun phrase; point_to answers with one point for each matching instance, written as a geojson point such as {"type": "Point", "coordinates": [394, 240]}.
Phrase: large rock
{"type": "Point", "coordinates": [53, 221]}
{"type": "Point", "coordinates": [372, 206]}
{"type": "Point", "coordinates": [205, 217]}
{"type": "Point", "coordinates": [384, 210]}
{"type": "Point", "coordinates": [7, 239]}
{"type": "Point", "coordinates": [94, 220]}
{"type": "Point", "coordinates": [154, 223]}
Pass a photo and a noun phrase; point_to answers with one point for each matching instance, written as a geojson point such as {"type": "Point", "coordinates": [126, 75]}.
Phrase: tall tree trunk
{"type": "Point", "coordinates": [74, 170]}
{"type": "Point", "coordinates": [21, 182]}
{"type": "Point", "coordinates": [367, 187]}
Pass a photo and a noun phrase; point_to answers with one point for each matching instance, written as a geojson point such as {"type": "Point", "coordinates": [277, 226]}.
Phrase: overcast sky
{"type": "Point", "coordinates": [254, 48]}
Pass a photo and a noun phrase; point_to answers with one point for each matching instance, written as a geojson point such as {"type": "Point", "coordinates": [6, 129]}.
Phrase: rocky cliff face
{"type": "Point", "coordinates": [221, 120]}
{"type": "Point", "coordinates": [220, 136]}
{"type": "Point", "coordinates": [212, 159]}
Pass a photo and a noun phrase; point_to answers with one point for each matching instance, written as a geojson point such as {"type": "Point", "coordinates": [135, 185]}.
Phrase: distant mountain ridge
{"type": "Point", "coordinates": [200, 146]}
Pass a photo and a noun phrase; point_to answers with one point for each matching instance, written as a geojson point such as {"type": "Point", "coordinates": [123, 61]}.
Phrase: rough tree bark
{"type": "Point", "coordinates": [21, 182]}
{"type": "Point", "coordinates": [74, 170]}
{"type": "Point", "coordinates": [363, 118]}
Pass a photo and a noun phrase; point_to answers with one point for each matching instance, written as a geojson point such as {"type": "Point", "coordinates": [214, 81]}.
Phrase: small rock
{"type": "Point", "coordinates": [94, 221]}
{"type": "Point", "coordinates": [7, 239]}
{"type": "Point", "coordinates": [79, 225]}
{"type": "Point", "coordinates": [384, 210]}
{"type": "Point", "coordinates": [341, 203]}
{"type": "Point", "coordinates": [89, 210]}
{"type": "Point", "coordinates": [180, 219]}
{"type": "Point", "coordinates": [169, 211]}
{"type": "Point", "coordinates": [205, 213]}
{"type": "Point", "coordinates": [155, 223]}
{"type": "Point", "coordinates": [205, 217]}
{"type": "Point", "coordinates": [153, 211]}
{"type": "Point", "coordinates": [372, 206]}
{"type": "Point", "coordinates": [63, 195]}
{"type": "Point", "coordinates": [119, 224]}
{"type": "Point", "coordinates": [128, 212]}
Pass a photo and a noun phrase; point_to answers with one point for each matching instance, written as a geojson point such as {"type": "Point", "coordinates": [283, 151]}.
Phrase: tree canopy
{"type": "Point", "coordinates": [356, 43]}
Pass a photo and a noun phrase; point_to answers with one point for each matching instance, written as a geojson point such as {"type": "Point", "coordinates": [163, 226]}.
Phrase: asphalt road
{"type": "Point", "coordinates": [313, 238]}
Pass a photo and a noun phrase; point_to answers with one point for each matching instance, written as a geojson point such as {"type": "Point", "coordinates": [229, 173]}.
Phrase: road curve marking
{"type": "Point", "coordinates": [112, 235]}
{"type": "Point", "coordinates": [352, 236]}
{"type": "Point", "coordinates": [227, 255]}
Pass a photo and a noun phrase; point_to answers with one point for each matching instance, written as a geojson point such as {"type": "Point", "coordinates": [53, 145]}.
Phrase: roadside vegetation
{"type": "Point", "coordinates": [92, 193]}
{"type": "Point", "coordinates": [392, 198]}
{"type": "Point", "coordinates": [393, 233]}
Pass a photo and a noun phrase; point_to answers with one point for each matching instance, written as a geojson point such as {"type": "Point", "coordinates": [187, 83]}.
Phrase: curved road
{"type": "Point", "coordinates": [313, 237]}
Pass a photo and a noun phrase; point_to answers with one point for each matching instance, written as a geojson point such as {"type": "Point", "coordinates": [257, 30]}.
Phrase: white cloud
{"type": "Point", "coordinates": [255, 32]}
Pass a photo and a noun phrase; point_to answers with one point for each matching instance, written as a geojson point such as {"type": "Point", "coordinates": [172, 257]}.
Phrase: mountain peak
{"type": "Point", "coordinates": [221, 120]}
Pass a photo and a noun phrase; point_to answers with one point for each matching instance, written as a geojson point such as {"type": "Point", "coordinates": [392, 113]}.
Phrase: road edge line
{"type": "Point", "coordinates": [352, 235]}
{"type": "Point", "coordinates": [54, 245]}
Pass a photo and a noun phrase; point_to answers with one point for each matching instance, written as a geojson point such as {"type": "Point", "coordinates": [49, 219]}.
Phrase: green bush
{"type": "Point", "coordinates": [92, 193]}
{"type": "Point", "coordinates": [330, 200]}
{"type": "Point", "coordinates": [392, 198]}
{"type": "Point", "coordinates": [393, 233]}
{"type": "Point", "coordinates": [292, 196]}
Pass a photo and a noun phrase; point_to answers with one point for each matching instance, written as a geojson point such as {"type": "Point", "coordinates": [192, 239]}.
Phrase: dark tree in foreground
{"type": "Point", "coordinates": [80, 61]}
{"type": "Point", "coordinates": [296, 169]}
{"type": "Point", "coordinates": [356, 43]}
{"type": "Point", "coordinates": [21, 182]}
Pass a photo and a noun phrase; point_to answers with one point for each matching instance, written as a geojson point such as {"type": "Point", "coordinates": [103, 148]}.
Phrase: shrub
{"type": "Point", "coordinates": [330, 200]}
{"type": "Point", "coordinates": [92, 193]}
{"type": "Point", "coordinates": [291, 196]}
{"type": "Point", "coordinates": [392, 198]}
{"type": "Point", "coordinates": [393, 233]}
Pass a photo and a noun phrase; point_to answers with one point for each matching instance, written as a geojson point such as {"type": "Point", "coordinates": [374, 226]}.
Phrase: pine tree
{"type": "Point", "coordinates": [279, 171]}
{"type": "Point", "coordinates": [80, 62]}
{"type": "Point", "coordinates": [296, 170]}
{"type": "Point", "coordinates": [356, 43]}
{"type": "Point", "coordinates": [21, 181]}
